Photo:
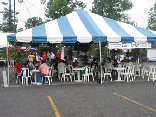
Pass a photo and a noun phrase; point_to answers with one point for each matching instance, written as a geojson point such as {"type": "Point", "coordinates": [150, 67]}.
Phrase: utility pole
{"type": "Point", "coordinates": [9, 13]}
{"type": "Point", "coordinates": [14, 18]}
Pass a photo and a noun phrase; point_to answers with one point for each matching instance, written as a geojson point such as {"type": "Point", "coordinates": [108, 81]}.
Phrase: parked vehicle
{"type": "Point", "coordinates": [2, 61]}
{"type": "Point", "coordinates": [151, 54]}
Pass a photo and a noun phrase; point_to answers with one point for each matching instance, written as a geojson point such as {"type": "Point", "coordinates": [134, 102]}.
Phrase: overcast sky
{"type": "Point", "coordinates": [30, 8]}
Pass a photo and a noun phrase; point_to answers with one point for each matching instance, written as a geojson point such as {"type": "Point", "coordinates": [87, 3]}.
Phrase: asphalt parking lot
{"type": "Point", "coordinates": [70, 99]}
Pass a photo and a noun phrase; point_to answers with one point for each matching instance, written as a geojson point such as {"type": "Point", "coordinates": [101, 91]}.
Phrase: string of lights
{"type": "Point", "coordinates": [27, 8]}
{"type": "Point", "coordinates": [34, 5]}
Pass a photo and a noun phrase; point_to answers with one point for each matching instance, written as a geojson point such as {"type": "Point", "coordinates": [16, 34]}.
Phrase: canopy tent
{"type": "Point", "coordinates": [84, 27]}
{"type": "Point", "coordinates": [3, 39]}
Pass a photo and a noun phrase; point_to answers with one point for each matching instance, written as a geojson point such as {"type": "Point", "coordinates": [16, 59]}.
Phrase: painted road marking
{"type": "Point", "coordinates": [54, 107]}
{"type": "Point", "coordinates": [135, 102]}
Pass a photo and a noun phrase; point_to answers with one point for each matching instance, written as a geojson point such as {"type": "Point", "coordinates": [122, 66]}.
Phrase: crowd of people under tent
{"type": "Point", "coordinates": [47, 59]}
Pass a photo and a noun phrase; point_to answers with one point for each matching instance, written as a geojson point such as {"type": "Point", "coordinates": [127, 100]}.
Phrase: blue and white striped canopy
{"type": "Point", "coordinates": [84, 27]}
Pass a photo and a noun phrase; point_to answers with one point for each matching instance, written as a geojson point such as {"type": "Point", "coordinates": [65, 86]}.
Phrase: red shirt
{"type": "Point", "coordinates": [44, 57]}
{"type": "Point", "coordinates": [18, 66]}
{"type": "Point", "coordinates": [59, 55]}
{"type": "Point", "coordinates": [75, 63]}
{"type": "Point", "coordinates": [125, 60]}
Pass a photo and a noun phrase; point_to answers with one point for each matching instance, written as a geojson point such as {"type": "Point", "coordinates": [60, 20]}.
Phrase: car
{"type": "Point", "coordinates": [2, 61]}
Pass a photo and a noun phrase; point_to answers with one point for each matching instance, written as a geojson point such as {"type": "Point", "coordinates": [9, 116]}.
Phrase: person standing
{"type": "Point", "coordinates": [31, 57]}
{"type": "Point", "coordinates": [49, 55]}
{"type": "Point", "coordinates": [11, 62]}
{"type": "Point", "coordinates": [44, 56]}
{"type": "Point", "coordinates": [43, 72]}
{"type": "Point", "coordinates": [59, 54]}
{"type": "Point", "coordinates": [52, 57]}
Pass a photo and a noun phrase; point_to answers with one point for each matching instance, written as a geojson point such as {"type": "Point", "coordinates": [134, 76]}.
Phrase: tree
{"type": "Point", "coordinates": [8, 20]}
{"type": "Point", "coordinates": [152, 18]}
{"type": "Point", "coordinates": [57, 8]}
{"type": "Point", "coordinates": [32, 22]}
{"type": "Point", "coordinates": [96, 53]}
{"type": "Point", "coordinates": [113, 9]}
{"type": "Point", "coordinates": [20, 29]}
{"type": "Point", "coordinates": [138, 52]}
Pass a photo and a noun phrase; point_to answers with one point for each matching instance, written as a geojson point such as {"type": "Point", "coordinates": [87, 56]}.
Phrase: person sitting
{"type": "Point", "coordinates": [75, 62]}
{"type": "Point", "coordinates": [125, 60]}
{"type": "Point", "coordinates": [26, 65]}
{"type": "Point", "coordinates": [66, 60]}
{"type": "Point", "coordinates": [115, 63]}
{"type": "Point", "coordinates": [43, 72]}
{"type": "Point", "coordinates": [35, 64]}
{"type": "Point", "coordinates": [61, 65]}
{"type": "Point", "coordinates": [48, 62]}
{"type": "Point", "coordinates": [18, 66]}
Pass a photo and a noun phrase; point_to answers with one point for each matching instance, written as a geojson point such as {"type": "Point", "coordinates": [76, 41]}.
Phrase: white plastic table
{"type": "Point", "coordinates": [119, 69]}
{"type": "Point", "coordinates": [78, 69]}
{"type": "Point", "coordinates": [35, 71]}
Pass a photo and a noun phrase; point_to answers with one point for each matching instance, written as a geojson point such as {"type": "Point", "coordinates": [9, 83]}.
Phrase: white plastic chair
{"type": "Point", "coordinates": [72, 73]}
{"type": "Point", "coordinates": [152, 73]}
{"type": "Point", "coordinates": [88, 72]}
{"type": "Point", "coordinates": [126, 73]}
{"type": "Point", "coordinates": [132, 72]}
{"type": "Point", "coordinates": [137, 70]}
{"type": "Point", "coordinates": [85, 76]}
{"type": "Point", "coordinates": [18, 75]}
{"type": "Point", "coordinates": [61, 71]}
{"type": "Point", "coordinates": [94, 70]}
{"type": "Point", "coordinates": [144, 70]}
{"type": "Point", "coordinates": [25, 76]}
{"type": "Point", "coordinates": [53, 71]}
{"type": "Point", "coordinates": [105, 74]}
{"type": "Point", "coordinates": [48, 76]}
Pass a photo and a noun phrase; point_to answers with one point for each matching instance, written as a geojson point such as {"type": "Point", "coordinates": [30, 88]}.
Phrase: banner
{"type": "Point", "coordinates": [121, 45]}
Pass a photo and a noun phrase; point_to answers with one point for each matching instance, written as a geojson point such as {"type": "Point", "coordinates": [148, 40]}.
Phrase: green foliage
{"type": "Point", "coordinates": [113, 9]}
{"type": "Point", "coordinates": [58, 8]}
{"type": "Point", "coordinates": [13, 52]}
{"type": "Point", "coordinates": [20, 29]}
{"type": "Point", "coordinates": [152, 18]}
{"type": "Point", "coordinates": [38, 20]}
{"type": "Point", "coordinates": [116, 52]}
{"type": "Point", "coordinates": [138, 52]}
{"type": "Point", "coordinates": [96, 53]}
{"type": "Point", "coordinates": [8, 19]}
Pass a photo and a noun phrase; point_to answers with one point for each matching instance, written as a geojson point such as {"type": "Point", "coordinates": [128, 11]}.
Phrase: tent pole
{"type": "Point", "coordinates": [100, 59]}
{"type": "Point", "coordinates": [7, 63]}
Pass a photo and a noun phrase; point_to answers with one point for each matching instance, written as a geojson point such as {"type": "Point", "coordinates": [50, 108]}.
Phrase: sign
{"type": "Point", "coordinates": [121, 45]}
{"type": "Point", "coordinates": [114, 45]}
